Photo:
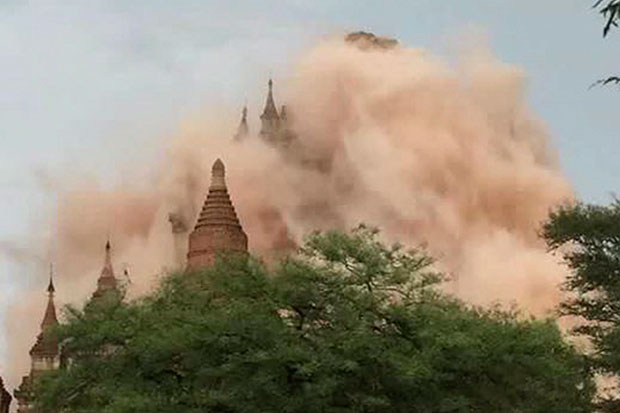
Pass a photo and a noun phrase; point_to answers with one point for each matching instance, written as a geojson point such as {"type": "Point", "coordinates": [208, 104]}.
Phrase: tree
{"type": "Point", "coordinates": [610, 9]}
{"type": "Point", "coordinates": [588, 237]}
{"type": "Point", "coordinates": [346, 325]}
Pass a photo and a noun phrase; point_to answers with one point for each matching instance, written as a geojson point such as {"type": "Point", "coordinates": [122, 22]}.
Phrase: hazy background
{"type": "Point", "coordinates": [90, 85]}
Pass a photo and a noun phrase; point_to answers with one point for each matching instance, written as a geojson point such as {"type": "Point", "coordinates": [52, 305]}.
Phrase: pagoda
{"type": "Point", "coordinates": [106, 282]}
{"type": "Point", "coordinates": [44, 355]}
{"type": "Point", "coordinates": [217, 229]}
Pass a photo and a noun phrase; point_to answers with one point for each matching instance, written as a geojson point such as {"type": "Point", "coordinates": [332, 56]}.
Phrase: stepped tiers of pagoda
{"type": "Point", "coordinates": [107, 281]}
{"type": "Point", "coordinates": [218, 229]}
{"type": "Point", "coordinates": [44, 355]}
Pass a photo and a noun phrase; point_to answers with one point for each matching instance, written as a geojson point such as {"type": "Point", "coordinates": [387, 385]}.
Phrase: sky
{"type": "Point", "coordinates": [90, 85]}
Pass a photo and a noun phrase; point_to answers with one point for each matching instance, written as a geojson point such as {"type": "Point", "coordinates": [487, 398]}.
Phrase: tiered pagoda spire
{"type": "Point", "coordinates": [275, 127]}
{"type": "Point", "coordinates": [218, 229]}
{"type": "Point", "coordinates": [107, 281]}
{"type": "Point", "coordinates": [46, 345]}
{"type": "Point", "coordinates": [270, 120]}
{"type": "Point", "coordinates": [243, 130]}
{"type": "Point", "coordinates": [44, 354]}
{"type": "Point", "coordinates": [50, 319]}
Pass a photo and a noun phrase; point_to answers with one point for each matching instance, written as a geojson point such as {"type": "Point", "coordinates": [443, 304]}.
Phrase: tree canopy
{"type": "Point", "coordinates": [346, 325]}
{"type": "Point", "coordinates": [588, 237]}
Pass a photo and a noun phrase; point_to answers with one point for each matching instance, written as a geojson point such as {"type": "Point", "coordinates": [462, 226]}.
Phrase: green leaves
{"type": "Point", "coordinates": [588, 237]}
{"type": "Point", "coordinates": [346, 325]}
{"type": "Point", "coordinates": [610, 10]}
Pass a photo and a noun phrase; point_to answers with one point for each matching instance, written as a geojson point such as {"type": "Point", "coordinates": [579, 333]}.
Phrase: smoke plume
{"type": "Point", "coordinates": [448, 156]}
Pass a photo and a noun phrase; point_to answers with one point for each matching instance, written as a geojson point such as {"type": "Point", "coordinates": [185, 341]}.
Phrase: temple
{"type": "Point", "coordinates": [270, 120]}
{"type": "Point", "coordinates": [243, 130]}
{"type": "Point", "coordinates": [107, 281]}
{"type": "Point", "coordinates": [275, 126]}
{"type": "Point", "coordinates": [218, 229]}
{"type": "Point", "coordinates": [44, 354]}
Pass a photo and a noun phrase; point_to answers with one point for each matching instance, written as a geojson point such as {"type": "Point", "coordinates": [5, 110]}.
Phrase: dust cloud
{"type": "Point", "coordinates": [448, 156]}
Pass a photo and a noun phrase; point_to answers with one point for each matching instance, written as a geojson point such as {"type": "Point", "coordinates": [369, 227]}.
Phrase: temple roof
{"type": "Point", "coordinates": [218, 230]}
{"type": "Point", "coordinates": [47, 344]}
{"type": "Point", "coordinates": [50, 286]}
{"type": "Point", "coordinates": [107, 280]}
{"type": "Point", "coordinates": [243, 129]}
{"type": "Point", "coordinates": [270, 111]}
{"type": "Point", "coordinates": [218, 209]}
{"type": "Point", "coordinates": [49, 319]}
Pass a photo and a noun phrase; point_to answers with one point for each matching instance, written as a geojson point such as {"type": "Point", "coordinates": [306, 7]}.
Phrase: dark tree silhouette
{"type": "Point", "coordinates": [5, 398]}
{"type": "Point", "coordinates": [610, 9]}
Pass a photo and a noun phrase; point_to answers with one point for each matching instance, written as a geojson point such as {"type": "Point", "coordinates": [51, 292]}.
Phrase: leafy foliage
{"type": "Point", "coordinates": [346, 325]}
{"type": "Point", "coordinates": [610, 9]}
{"type": "Point", "coordinates": [588, 236]}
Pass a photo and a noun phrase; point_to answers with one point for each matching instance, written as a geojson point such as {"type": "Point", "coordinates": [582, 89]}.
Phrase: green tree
{"type": "Point", "coordinates": [610, 10]}
{"type": "Point", "coordinates": [346, 325]}
{"type": "Point", "coordinates": [588, 237]}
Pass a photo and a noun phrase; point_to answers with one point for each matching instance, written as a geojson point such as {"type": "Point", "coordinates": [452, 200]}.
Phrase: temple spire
{"type": "Point", "coordinates": [218, 228]}
{"type": "Point", "coordinates": [50, 319]}
{"type": "Point", "coordinates": [47, 344]}
{"type": "Point", "coordinates": [107, 271]}
{"type": "Point", "coordinates": [50, 287]}
{"type": "Point", "coordinates": [270, 111]}
{"type": "Point", "coordinates": [218, 175]}
{"type": "Point", "coordinates": [44, 354]}
{"type": "Point", "coordinates": [243, 129]}
{"type": "Point", "coordinates": [107, 280]}
{"type": "Point", "coordinates": [270, 119]}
